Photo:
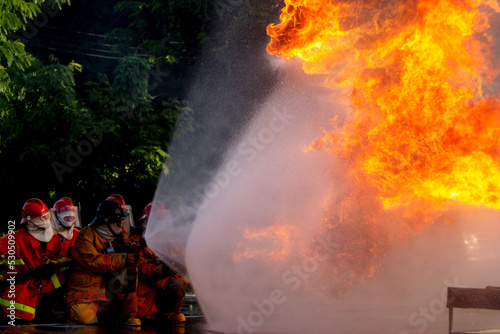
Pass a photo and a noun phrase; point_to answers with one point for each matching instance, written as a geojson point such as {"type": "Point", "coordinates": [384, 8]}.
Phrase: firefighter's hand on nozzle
{"type": "Point", "coordinates": [131, 259]}
{"type": "Point", "coordinates": [131, 247]}
{"type": "Point", "coordinates": [135, 248]}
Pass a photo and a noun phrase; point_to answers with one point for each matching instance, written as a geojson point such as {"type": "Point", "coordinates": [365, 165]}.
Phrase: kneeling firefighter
{"type": "Point", "coordinates": [160, 290]}
{"type": "Point", "coordinates": [66, 223]}
{"type": "Point", "coordinates": [93, 285]}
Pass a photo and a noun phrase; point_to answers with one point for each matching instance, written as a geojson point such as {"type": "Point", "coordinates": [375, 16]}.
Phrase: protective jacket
{"type": "Point", "coordinates": [22, 254]}
{"type": "Point", "coordinates": [88, 280]}
{"type": "Point", "coordinates": [67, 244]}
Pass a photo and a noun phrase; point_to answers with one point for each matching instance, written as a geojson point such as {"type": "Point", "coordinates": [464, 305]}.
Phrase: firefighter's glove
{"type": "Point", "coordinates": [131, 260]}
{"type": "Point", "coordinates": [131, 247]}
{"type": "Point", "coordinates": [135, 248]}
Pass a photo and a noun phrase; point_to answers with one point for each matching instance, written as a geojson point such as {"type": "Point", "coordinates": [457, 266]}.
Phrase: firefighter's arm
{"type": "Point", "coordinates": [148, 270]}
{"type": "Point", "coordinates": [155, 270]}
{"type": "Point", "coordinates": [86, 254]}
{"type": "Point", "coordinates": [148, 266]}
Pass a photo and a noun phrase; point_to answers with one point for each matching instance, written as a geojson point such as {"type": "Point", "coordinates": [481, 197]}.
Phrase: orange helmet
{"type": "Point", "coordinates": [33, 208]}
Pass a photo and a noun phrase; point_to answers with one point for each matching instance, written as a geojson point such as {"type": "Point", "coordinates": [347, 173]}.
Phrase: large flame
{"type": "Point", "coordinates": [420, 133]}
{"type": "Point", "coordinates": [419, 127]}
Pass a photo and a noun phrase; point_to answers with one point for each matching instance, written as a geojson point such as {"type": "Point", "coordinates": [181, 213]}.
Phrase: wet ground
{"type": "Point", "coordinates": [194, 325]}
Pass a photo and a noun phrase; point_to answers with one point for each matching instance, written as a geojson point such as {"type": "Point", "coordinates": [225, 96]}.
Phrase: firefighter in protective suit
{"type": "Point", "coordinates": [64, 217]}
{"type": "Point", "coordinates": [125, 292]}
{"type": "Point", "coordinates": [64, 220]}
{"type": "Point", "coordinates": [91, 288]}
{"type": "Point", "coordinates": [160, 290]}
{"type": "Point", "coordinates": [31, 253]}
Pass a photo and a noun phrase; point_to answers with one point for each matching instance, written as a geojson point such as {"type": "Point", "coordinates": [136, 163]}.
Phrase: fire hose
{"type": "Point", "coordinates": [129, 248]}
{"type": "Point", "coordinates": [126, 247]}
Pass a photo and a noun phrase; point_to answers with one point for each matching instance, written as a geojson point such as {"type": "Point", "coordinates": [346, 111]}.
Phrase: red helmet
{"type": "Point", "coordinates": [64, 204]}
{"type": "Point", "coordinates": [117, 198]}
{"type": "Point", "coordinates": [155, 206]}
{"type": "Point", "coordinates": [64, 219]}
{"type": "Point", "coordinates": [33, 208]}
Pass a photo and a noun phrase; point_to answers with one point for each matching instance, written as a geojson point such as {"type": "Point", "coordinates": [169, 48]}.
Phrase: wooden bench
{"type": "Point", "coordinates": [488, 298]}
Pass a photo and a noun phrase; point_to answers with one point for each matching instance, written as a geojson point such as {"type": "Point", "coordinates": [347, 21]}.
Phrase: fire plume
{"type": "Point", "coordinates": [420, 132]}
{"type": "Point", "coordinates": [420, 127]}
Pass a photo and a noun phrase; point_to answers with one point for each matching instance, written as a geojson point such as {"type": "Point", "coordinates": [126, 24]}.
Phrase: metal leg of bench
{"type": "Point", "coordinates": [450, 320]}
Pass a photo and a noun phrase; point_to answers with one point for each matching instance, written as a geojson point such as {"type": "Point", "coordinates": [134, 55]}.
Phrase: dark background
{"type": "Point", "coordinates": [198, 52]}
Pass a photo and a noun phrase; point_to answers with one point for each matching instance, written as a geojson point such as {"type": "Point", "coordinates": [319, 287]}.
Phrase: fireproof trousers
{"type": "Point", "coordinates": [170, 298]}
{"type": "Point", "coordinates": [83, 313]}
{"type": "Point", "coordinates": [165, 300]}
{"type": "Point", "coordinates": [86, 313]}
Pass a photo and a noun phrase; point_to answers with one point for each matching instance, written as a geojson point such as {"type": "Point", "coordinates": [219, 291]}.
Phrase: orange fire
{"type": "Point", "coordinates": [420, 133]}
{"type": "Point", "coordinates": [420, 127]}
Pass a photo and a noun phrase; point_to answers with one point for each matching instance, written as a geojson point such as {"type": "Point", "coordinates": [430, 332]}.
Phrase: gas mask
{"type": "Point", "coordinates": [40, 227]}
{"type": "Point", "coordinates": [66, 219]}
{"type": "Point", "coordinates": [116, 229]}
{"type": "Point", "coordinates": [66, 222]}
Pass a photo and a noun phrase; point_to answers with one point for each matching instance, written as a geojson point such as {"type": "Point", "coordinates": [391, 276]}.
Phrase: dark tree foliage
{"type": "Point", "coordinates": [134, 145]}
{"type": "Point", "coordinates": [170, 33]}
{"type": "Point", "coordinates": [40, 119]}
{"type": "Point", "coordinates": [52, 145]}
{"type": "Point", "coordinates": [231, 79]}
{"type": "Point", "coordinates": [77, 32]}
{"type": "Point", "coordinates": [138, 72]}
{"type": "Point", "coordinates": [14, 16]}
